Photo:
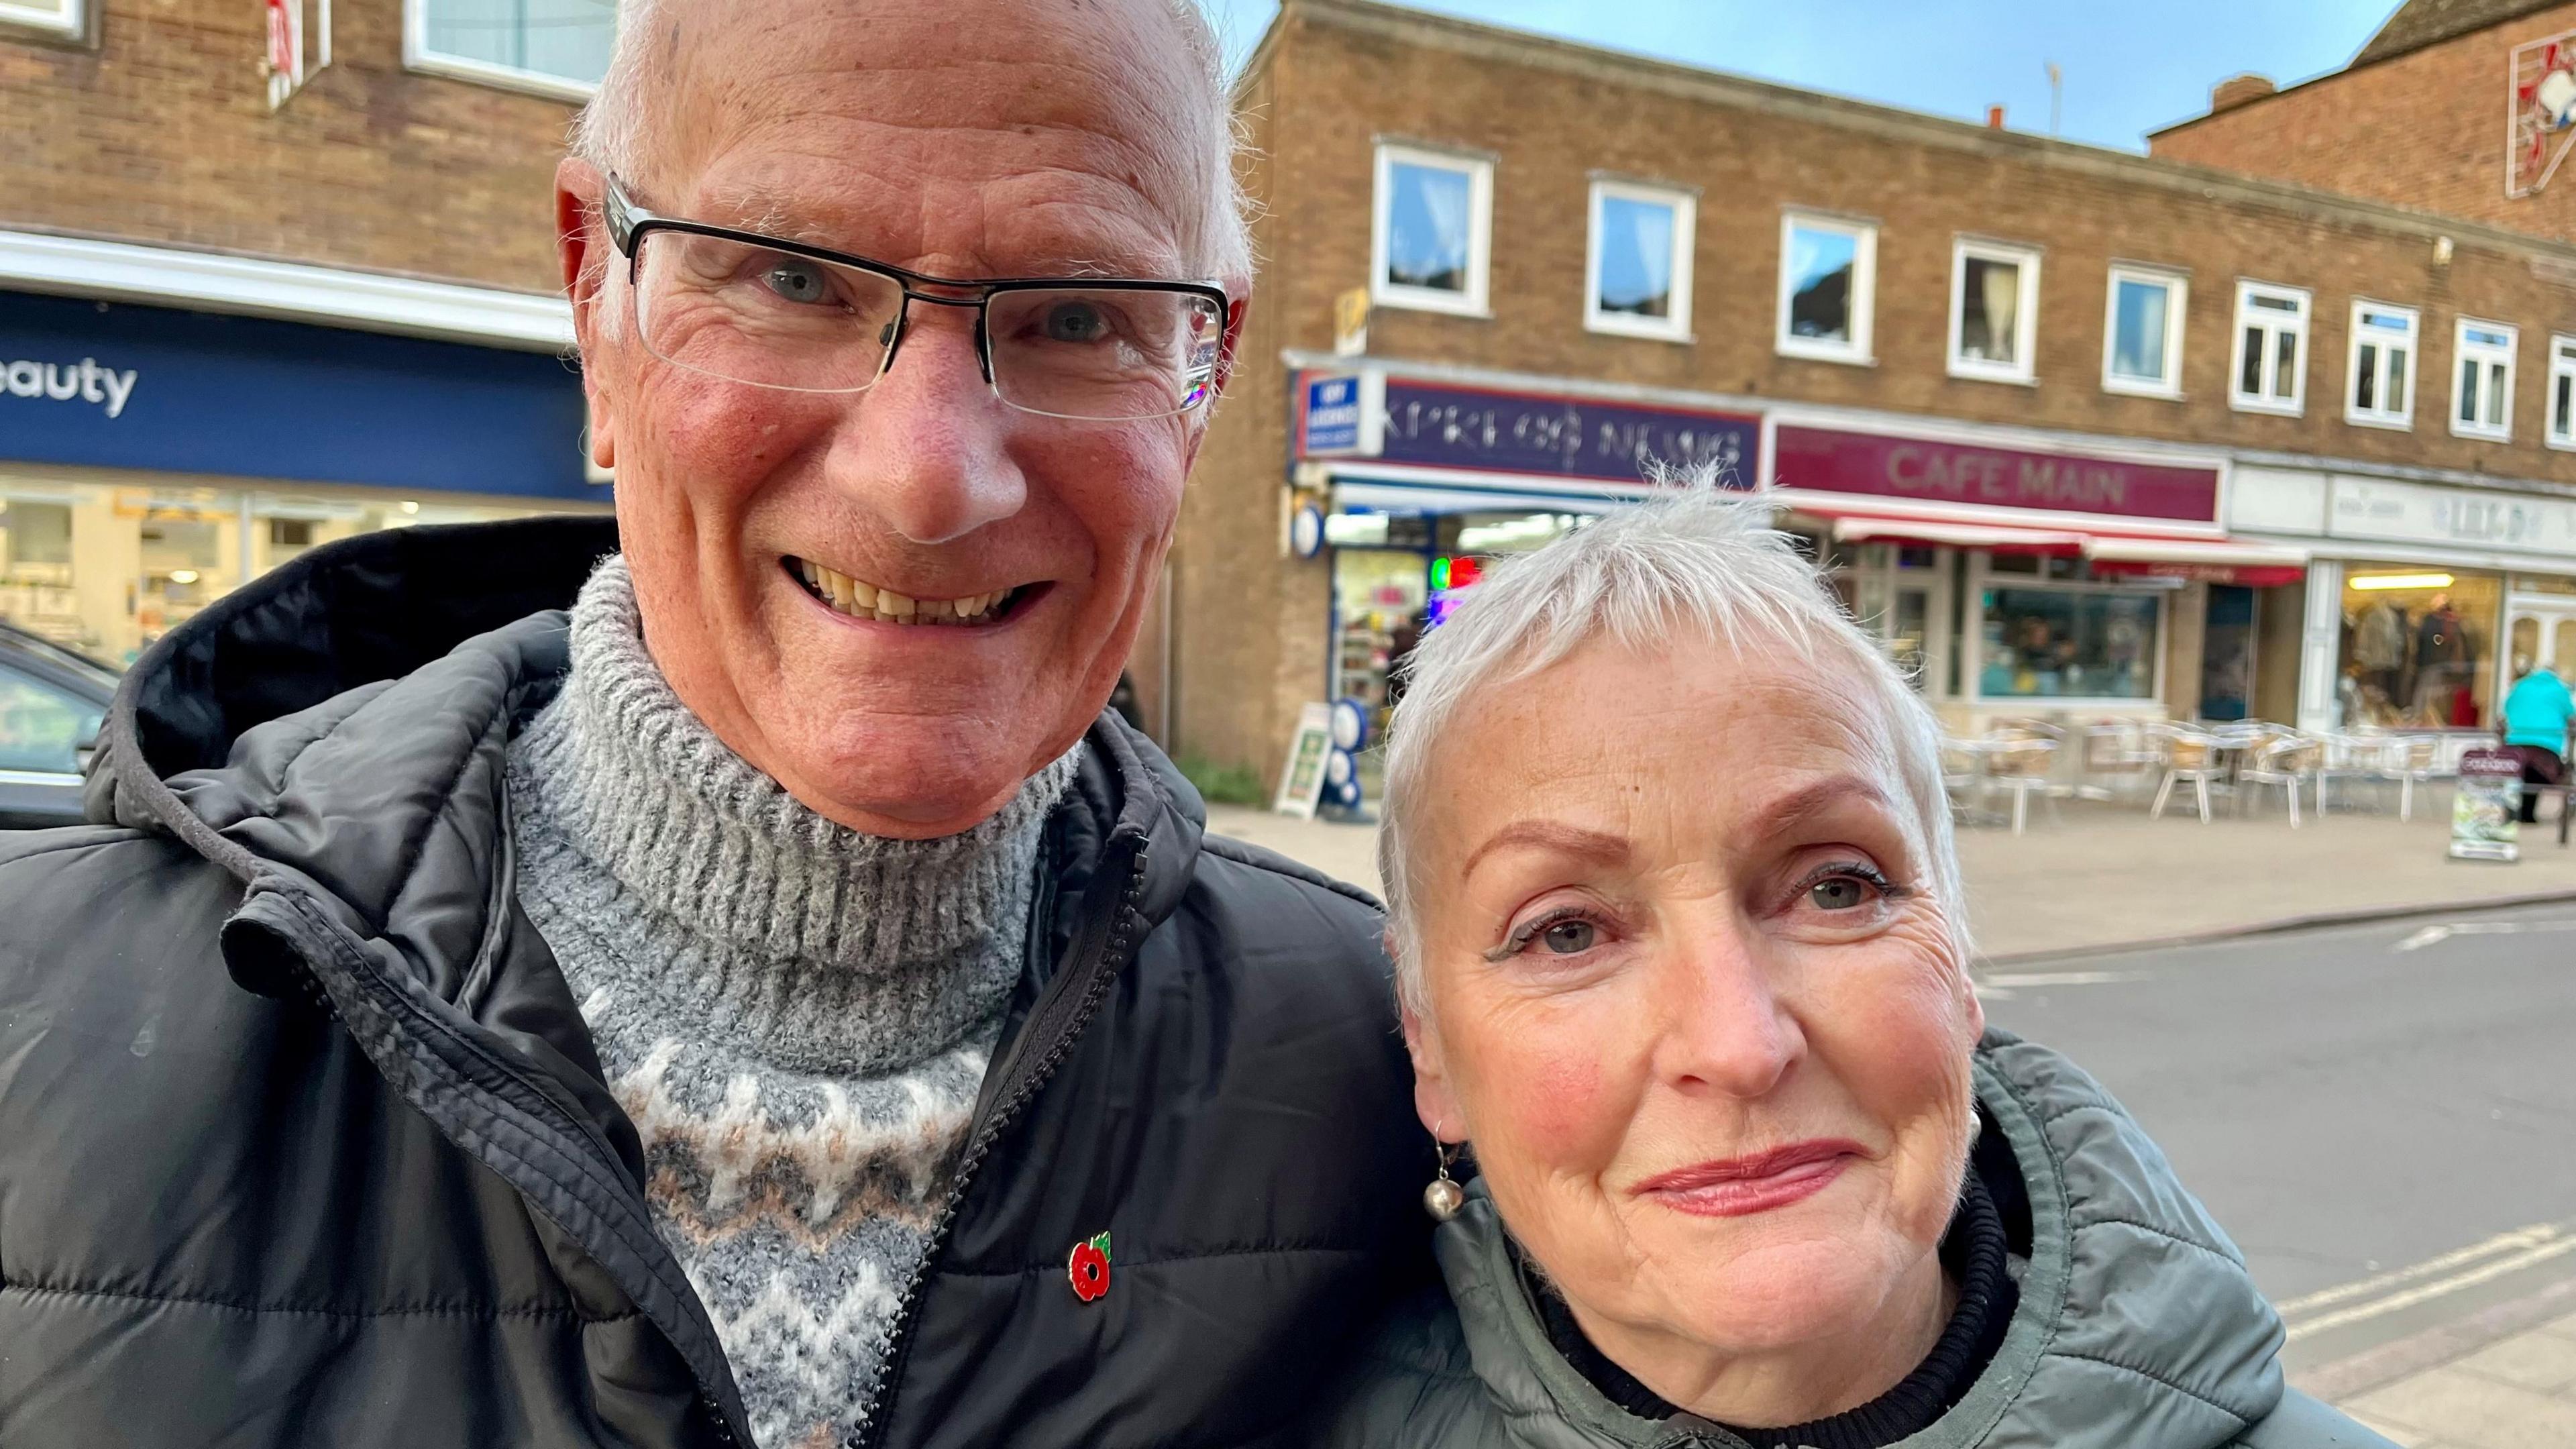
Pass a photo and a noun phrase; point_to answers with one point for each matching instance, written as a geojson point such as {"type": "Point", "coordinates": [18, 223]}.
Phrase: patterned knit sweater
{"type": "Point", "coordinates": [797, 1016]}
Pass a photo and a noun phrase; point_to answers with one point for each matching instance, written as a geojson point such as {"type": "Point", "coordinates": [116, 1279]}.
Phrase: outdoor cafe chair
{"type": "Point", "coordinates": [2408, 761]}
{"type": "Point", "coordinates": [2021, 759]}
{"type": "Point", "coordinates": [2191, 757]}
{"type": "Point", "coordinates": [2285, 758]}
{"type": "Point", "coordinates": [2345, 757]}
{"type": "Point", "coordinates": [2116, 750]}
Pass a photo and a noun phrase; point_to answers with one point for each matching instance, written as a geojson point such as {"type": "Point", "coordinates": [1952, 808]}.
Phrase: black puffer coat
{"type": "Point", "coordinates": [302, 1140]}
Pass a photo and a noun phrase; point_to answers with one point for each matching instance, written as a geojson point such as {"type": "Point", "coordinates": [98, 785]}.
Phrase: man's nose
{"type": "Point", "coordinates": [926, 447]}
{"type": "Point", "coordinates": [1728, 1030]}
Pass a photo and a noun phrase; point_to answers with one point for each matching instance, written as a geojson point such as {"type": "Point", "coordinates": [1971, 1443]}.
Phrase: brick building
{"type": "Point", "coordinates": [262, 289]}
{"type": "Point", "coordinates": [2444, 110]}
{"type": "Point", "coordinates": [2083, 432]}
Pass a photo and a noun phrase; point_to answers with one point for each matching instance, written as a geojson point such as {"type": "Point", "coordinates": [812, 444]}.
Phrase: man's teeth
{"type": "Point", "coordinates": [863, 600]}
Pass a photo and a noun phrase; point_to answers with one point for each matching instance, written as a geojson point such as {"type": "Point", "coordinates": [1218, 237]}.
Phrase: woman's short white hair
{"type": "Point", "coordinates": [1702, 564]}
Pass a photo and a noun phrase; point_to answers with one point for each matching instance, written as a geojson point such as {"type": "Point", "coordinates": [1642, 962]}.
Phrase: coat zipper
{"type": "Point", "coordinates": [1103, 972]}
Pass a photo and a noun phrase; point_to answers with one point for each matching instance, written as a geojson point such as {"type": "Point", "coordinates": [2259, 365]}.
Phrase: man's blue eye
{"type": "Point", "coordinates": [796, 281]}
{"type": "Point", "coordinates": [1074, 322]}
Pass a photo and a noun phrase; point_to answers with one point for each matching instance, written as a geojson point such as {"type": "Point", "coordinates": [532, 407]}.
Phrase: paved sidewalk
{"type": "Point", "coordinates": [2515, 1393]}
{"type": "Point", "coordinates": [2104, 876]}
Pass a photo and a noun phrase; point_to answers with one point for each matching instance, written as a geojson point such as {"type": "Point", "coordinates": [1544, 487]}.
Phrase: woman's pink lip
{"type": "Point", "coordinates": [1759, 1182]}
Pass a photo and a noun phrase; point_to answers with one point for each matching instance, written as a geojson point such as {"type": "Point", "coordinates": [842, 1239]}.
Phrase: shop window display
{"type": "Point", "coordinates": [105, 569]}
{"type": "Point", "coordinates": [2068, 643]}
{"type": "Point", "coordinates": [2418, 647]}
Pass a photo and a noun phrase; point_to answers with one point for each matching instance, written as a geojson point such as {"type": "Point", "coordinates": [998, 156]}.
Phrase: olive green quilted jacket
{"type": "Point", "coordinates": [2138, 1327]}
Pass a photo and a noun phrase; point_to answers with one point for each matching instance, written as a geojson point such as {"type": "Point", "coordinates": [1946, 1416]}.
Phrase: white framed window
{"type": "Point", "coordinates": [1828, 277]}
{"type": "Point", "coordinates": [2482, 380]}
{"type": "Point", "coordinates": [2142, 332]}
{"type": "Point", "coordinates": [2562, 391]}
{"type": "Point", "coordinates": [2269, 372]}
{"type": "Point", "coordinates": [68, 19]}
{"type": "Point", "coordinates": [1994, 310]}
{"type": "Point", "coordinates": [2379, 389]}
{"type": "Point", "coordinates": [1637, 282]}
{"type": "Point", "coordinates": [1431, 234]}
{"type": "Point", "coordinates": [556, 48]}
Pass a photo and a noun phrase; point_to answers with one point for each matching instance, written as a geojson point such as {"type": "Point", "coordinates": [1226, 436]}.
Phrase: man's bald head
{"type": "Point", "coordinates": [671, 62]}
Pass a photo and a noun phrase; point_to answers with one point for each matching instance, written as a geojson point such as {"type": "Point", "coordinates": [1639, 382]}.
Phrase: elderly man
{"type": "Point", "coordinates": [773, 1004]}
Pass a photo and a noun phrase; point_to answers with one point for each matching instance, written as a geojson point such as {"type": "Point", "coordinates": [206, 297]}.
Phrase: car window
{"type": "Point", "coordinates": [46, 651]}
{"type": "Point", "coordinates": [42, 728]}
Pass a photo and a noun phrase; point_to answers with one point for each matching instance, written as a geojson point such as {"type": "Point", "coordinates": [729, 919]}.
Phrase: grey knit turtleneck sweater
{"type": "Point", "coordinates": [797, 1016]}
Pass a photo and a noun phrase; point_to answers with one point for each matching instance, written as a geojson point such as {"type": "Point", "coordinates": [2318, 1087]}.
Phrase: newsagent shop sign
{"type": "Point", "coordinates": [1581, 439]}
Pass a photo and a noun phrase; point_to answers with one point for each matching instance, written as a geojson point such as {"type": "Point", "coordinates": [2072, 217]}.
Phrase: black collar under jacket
{"type": "Point", "coordinates": [238, 1222]}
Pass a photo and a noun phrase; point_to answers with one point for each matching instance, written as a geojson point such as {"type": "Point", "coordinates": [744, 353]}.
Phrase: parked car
{"type": "Point", "coordinates": [51, 703]}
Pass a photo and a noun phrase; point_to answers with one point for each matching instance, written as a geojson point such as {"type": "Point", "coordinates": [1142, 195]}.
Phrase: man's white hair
{"type": "Point", "coordinates": [616, 131]}
{"type": "Point", "coordinates": [1702, 567]}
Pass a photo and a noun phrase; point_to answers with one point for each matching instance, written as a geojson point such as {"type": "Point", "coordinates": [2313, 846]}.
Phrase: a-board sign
{"type": "Point", "coordinates": [2486, 811]}
{"type": "Point", "coordinates": [1301, 780]}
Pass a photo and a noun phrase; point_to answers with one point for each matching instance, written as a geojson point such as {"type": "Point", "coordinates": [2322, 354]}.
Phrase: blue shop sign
{"type": "Point", "coordinates": [112, 385]}
{"type": "Point", "coordinates": [1332, 415]}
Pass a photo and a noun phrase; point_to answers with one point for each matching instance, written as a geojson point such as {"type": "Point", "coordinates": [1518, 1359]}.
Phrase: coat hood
{"type": "Point", "coordinates": [2137, 1322]}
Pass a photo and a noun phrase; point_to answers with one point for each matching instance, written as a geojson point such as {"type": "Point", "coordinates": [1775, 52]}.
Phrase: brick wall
{"type": "Point", "coordinates": [162, 134]}
{"type": "Point", "coordinates": [2425, 129]}
{"type": "Point", "coordinates": [1336, 76]}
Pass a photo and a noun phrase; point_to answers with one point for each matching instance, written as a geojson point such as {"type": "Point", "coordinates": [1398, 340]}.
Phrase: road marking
{"type": "Point", "coordinates": [2435, 935]}
{"type": "Point", "coordinates": [2389, 1292]}
{"type": "Point", "coordinates": [2063, 978]}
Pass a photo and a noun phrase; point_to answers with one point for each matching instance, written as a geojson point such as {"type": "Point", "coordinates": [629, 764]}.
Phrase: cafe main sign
{"type": "Point", "coordinates": [1924, 470]}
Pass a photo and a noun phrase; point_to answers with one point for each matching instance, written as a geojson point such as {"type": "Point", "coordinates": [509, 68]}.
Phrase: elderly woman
{"type": "Point", "coordinates": [1677, 918]}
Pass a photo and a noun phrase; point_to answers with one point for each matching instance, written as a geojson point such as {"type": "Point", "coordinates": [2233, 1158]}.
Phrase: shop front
{"type": "Point", "coordinates": [153, 457]}
{"type": "Point", "coordinates": [2014, 578]}
{"type": "Point", "coordinates": [1419, 482]}
{"type": "Point", "coordinates": [2426, 599]}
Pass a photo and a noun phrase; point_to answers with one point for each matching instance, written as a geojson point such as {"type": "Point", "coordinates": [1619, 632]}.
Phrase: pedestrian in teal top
{"type": "Point", "coordinates": [2536, 714]}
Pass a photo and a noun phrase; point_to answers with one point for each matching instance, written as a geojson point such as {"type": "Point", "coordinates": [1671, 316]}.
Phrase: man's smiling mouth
{"type": "Point", "coordinates": [862, 600]}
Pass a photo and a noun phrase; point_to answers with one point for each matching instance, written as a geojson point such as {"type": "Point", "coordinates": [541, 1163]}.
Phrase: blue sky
{"type": "Point", "coordinates": [2128, 68]}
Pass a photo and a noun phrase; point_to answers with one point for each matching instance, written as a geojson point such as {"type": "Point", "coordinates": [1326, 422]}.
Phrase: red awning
{"type": "Point", "coordinates": [1995, 537]}
{"type": "Point", "coordinates": [2204, 560]}
{"type": "Point", "coordinates": [2209, 561]}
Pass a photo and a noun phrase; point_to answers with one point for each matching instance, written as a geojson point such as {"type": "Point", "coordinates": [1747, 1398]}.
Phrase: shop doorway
{"type": "Point", "coordinates": [2227, 653]}
{"type": "Point", "coordinates": [2540, 631]}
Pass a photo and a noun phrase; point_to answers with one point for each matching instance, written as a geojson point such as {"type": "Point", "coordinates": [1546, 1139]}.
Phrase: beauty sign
{"type": "Point", "coordinates": [131, 386]}
{"type": "Point", "coordinates": [84, 382]}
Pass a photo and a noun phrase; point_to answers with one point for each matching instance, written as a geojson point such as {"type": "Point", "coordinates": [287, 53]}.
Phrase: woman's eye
{"type": "Point", "coordinates": [1074, 322]}
{"type": "Point", "coordinates": [1840, 893]}
{"type": "Point", "coordinates": [1568, 938]}
{"type": "Point", "coordinates": [796, 281]}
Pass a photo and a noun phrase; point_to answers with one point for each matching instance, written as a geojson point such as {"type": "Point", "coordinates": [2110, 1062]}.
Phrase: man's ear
{"type": "Point", "coordinates": [1235, 311]}
{"type": "Point", "coordinates": [584, 252]}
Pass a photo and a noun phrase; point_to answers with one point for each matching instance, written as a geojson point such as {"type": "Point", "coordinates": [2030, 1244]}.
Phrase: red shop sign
{"type": "Point", "coordinates": [1828, 460]}
{"type": "Point", "coordinates": [2252, 576]}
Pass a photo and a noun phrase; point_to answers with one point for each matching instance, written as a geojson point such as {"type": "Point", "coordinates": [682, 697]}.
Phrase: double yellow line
{"type": "Point", "coordinates": [2480, 1262]}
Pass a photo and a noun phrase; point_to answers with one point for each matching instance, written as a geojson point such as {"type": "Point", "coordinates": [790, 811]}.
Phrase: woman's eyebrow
{"type": "Point", "coordinates": [1552, 835]}
{"type": "Point", "coordinates": [1808, 801]}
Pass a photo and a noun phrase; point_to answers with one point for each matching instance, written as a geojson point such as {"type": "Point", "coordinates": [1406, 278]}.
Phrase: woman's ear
{"type": "Point", "coordinates": [1432, 1100]}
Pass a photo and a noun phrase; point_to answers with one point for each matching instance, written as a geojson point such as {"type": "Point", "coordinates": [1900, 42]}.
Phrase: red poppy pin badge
{"type": "Point", "coordinates": [1089, 1268]}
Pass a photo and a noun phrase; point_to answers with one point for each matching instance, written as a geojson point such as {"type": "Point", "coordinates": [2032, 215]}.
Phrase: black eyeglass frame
{"type": "Point", "coordinates": [628, 224]}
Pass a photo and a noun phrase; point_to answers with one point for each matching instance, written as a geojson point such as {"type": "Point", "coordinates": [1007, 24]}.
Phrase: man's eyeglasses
{"type": "Point", "coordinates": [755, 309]}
